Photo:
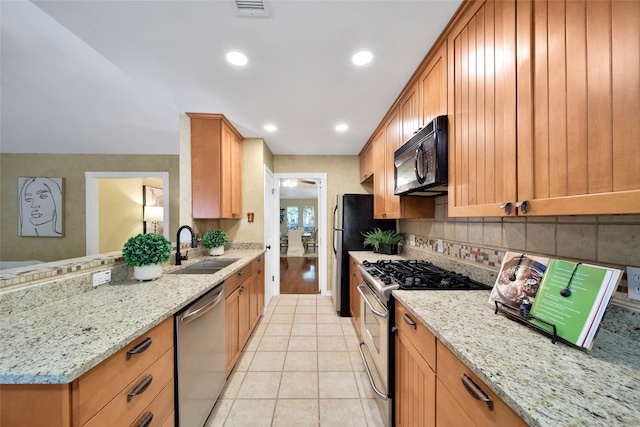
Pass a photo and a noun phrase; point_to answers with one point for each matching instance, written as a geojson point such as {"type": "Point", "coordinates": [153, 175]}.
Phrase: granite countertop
{"type": "Point", "coordinates": [58, 342]}
{"type": "Point", "coordinates": [546, 384]}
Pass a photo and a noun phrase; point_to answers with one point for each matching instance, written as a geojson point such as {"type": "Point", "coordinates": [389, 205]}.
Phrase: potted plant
{"type": "Point", "coordinates": [146, 253]}
{"type": "Point", "coordinates": [214, 240]}
{"type": "Point", "coordinates": [383, 241]}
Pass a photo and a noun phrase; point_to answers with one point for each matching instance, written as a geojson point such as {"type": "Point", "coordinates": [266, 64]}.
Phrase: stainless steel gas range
{"type": "Point", "coordinates": [379, 279]}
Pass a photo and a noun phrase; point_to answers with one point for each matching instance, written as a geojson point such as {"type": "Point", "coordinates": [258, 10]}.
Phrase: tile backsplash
{"type": "Point", "coordinates": [609, 240]}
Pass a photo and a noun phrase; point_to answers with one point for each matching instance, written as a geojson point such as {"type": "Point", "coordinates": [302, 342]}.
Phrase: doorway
{"type": "Point", "coordinates": [92, 180]}
{"type": "Point", "coordinates": [304, 270]}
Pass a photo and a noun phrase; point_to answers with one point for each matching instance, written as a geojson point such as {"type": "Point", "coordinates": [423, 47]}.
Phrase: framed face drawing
{"type": "Point", "coordinates": [40, 206]}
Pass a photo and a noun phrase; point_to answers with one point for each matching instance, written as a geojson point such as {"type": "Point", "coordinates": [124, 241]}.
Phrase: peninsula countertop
{"type": "Point", "coordinates": [58, 342]}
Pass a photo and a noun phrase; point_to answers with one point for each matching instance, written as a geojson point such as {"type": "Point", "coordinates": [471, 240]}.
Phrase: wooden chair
{"type": "Point", "coordinates": [311, 241]}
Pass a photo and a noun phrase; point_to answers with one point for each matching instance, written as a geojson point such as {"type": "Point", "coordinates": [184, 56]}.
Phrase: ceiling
{"type": "Point", "coordinates": [112, 77]}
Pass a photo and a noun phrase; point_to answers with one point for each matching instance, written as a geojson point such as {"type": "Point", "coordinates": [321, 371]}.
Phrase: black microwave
{"type": "Point", "coordinates": [421, 165]}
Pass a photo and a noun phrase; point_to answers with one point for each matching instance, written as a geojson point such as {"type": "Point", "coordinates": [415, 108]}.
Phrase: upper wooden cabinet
{"type": "Point", "coordinates": [410, 112]}
{"type": "Point", "coordinates": [366, 163]}
{"type": "Point", "coordinates": [544, 104]}
{"type": "Point", "coordinates": [385, 203]}
{"type": "Point", "coordinates": [216, 167]}
{"type": "Point", "coordinates": [432, 86]}
{"type": "Point", "coordinates": [578, 106]}
{"type": "Point", "coordinates": [482, 100]}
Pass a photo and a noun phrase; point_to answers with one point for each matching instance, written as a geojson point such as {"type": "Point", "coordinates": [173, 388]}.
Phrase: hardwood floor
{"type": "Point", "coordinates": [298, 275]}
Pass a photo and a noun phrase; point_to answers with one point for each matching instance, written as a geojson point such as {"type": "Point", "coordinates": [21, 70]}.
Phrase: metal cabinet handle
{"type": "Point", "coordinates": [140, 388]}
{"type": "Point", "coordinates": [140, 348]}
{"type": "Point", "coordinates": [144, 422]}
{"type": "Point", "coordinates": [240, 273]}
{"type": "Point", "coordinates": [475, 391]}
{"type": "Point", "coordinates": [508, 207]}
{"type": "Point", "coordinates": [524, 206]}
{"type": "Point", "coordinates": [242, 289]}
{"type": "Point", "coordinates": [409, 321]}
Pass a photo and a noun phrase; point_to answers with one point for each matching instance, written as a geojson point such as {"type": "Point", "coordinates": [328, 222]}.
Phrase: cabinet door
{"type": "Point", "coordinates": [366, 163]}
{"type": "Point", "coordinates": [244, 312]}
{"type": "Point", "coordinates": [482, 101]}
{"type": "Point", "coordinates": [578, 106]}
{"type": "Point", "coordinates": [379, 179]}
{"type": "Point", "coordinates": [392, 143]}
{"type": "Point", "coordinates": [232, 314]}
{"type": "Point", "coordinates": [410, 113]}
{"type": "Point", "coordinates": [415, 386]}
{"type": "Point", "coordinates": [236, 183]}
{"type": "Point", "coordinates": [433, 87]}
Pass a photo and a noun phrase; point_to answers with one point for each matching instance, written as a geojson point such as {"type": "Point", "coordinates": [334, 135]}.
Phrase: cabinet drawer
{"type": "Point", "coordinates": [423, 340]}
{"type": "Point", "coordinates": [257, 264]}
{"type": "Point", "coordinates": [97, 387]}
{"type": "Point", "coordinates": [124, 409]}
{"type": "Point", "coordinates": [160, 409]}
{"type": "Point", "coordinates": [239, 277]}
{"type": "Point", "coordinates": [450, 372]}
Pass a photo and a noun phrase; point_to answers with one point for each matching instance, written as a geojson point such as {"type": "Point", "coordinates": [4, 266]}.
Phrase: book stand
{"type": "Point", "coordinates": [523, 316]}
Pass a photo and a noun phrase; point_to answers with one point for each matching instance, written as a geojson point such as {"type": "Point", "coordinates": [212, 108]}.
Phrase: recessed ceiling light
{"type": "Point", "coordinates": [270, 128]}
{"type": "Point", "coordinates": [341, 127]}
{"type": "Point", "coordinates": [237, 58]}
{"type": "Point", "coordinates": [362, 57]}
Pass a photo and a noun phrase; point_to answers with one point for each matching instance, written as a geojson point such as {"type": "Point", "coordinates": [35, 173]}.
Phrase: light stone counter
{"type": "Point", "coordinates": [55, 343]}
{"type": "Point", "coordinates": [546, 384]}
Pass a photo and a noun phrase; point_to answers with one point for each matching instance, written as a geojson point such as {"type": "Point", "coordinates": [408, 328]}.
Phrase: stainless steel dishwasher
{"type": "Point", "coordinates": [200, 357]}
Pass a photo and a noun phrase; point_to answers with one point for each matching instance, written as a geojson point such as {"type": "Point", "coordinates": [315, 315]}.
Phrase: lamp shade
{"type": "Point", "coordinates": [153, 213]}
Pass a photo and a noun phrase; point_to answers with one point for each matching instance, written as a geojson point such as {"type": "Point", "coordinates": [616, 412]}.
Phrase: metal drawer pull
{"type": "Point", "coordinates": [409, 321]}
{"type": "Point", "coordinates": [140, 388]}
{"type": "Point", "coordinates": [523, 206]}
{"type": "Point", "coordinates": [475, 391]}
{"type": "Point", "coordinates": [146, 420]}
{"type": "Point", "coordinates": [240, 273]}
{"type": "Point", "coordinates": [140, 348]}
{"type": "Point", "coordinates": [508, 207]}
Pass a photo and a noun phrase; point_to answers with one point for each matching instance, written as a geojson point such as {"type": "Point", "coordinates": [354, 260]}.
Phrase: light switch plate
{"type": "Point", "coordinates": [633, 282]}
{"type": "Point", "coordinates": [440, 246]}
{"type": "Point", "coordinates": [412, 239]}
{"type": "Point", "coordinates": [102, 277]}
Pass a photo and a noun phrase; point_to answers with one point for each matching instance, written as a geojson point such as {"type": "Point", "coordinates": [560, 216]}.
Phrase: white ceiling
{"type": "Point", "coordinates": [112, 77]}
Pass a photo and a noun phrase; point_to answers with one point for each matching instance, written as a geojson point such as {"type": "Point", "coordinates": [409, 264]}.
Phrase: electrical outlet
{"type": "Point", "coordinates": [633, 282]}
{"type": "Point", "coordinates": [102, 277]}
{"type": "Point", "coordinates": [440, 246]}
{"type": "Point", "coordinates": [412, 239]}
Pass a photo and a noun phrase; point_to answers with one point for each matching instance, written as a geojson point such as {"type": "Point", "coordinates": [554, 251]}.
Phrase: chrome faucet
{"type": "Point", "coordinates": [180, 258]}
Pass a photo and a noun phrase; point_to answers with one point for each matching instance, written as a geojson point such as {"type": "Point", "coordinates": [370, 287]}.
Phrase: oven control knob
{"type": "Point", "coordinates": [385, 279]}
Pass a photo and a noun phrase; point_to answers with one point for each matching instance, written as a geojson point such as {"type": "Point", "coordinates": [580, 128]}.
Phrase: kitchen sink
{"type": "Point", "coordinates": [207, 266]}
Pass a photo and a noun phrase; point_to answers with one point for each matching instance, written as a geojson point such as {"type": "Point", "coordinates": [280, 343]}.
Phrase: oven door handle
{"type": "Point", "coordinates": [366, 301]}
{"type": "Point", "coordinates": [366, 367]}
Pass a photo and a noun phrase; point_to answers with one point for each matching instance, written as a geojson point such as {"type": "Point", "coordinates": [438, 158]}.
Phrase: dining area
{"type": "Point", "coordinates": [299, 242]}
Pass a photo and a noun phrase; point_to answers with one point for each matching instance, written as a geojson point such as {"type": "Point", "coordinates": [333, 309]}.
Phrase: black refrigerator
{"type": "Point", "coordinates": [352, 216]}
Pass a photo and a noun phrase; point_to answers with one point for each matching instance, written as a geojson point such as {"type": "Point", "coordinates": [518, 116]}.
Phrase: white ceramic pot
{"type": "Point", "coordinates": [217, 251]}
{"type": "Point", "coordinates": [147, 272]}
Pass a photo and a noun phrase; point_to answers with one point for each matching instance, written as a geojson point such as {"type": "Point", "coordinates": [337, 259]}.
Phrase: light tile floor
{"type": "Point", "coordinates": [301, 367]}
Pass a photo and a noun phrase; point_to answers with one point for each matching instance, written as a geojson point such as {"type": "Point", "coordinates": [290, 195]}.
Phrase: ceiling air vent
{"type": "Point", "coordinates": [251, 8]}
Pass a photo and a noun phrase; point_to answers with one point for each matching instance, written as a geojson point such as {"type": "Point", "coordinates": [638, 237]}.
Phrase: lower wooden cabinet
{"type": "Point", "coordinates": [430, 383]}
{"type": "Point", "coordinates": [126, 387]}
{"type": "Point", "coordinates": [244, 304]}
{"type": "Point", "coordinates": [415, 393]}
{"type": "Point", "coordinates": [455, 403]}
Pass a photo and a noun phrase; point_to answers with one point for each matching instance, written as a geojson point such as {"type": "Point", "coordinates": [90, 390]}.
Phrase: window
{"type": "Point", "coordinates": [308, 219]}
{"type": "Point", "coordinates": [292, 217]}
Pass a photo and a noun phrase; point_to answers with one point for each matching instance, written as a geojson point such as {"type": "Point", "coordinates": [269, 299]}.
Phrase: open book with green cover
{"type": "Point", "coordinates": [572, 296]}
